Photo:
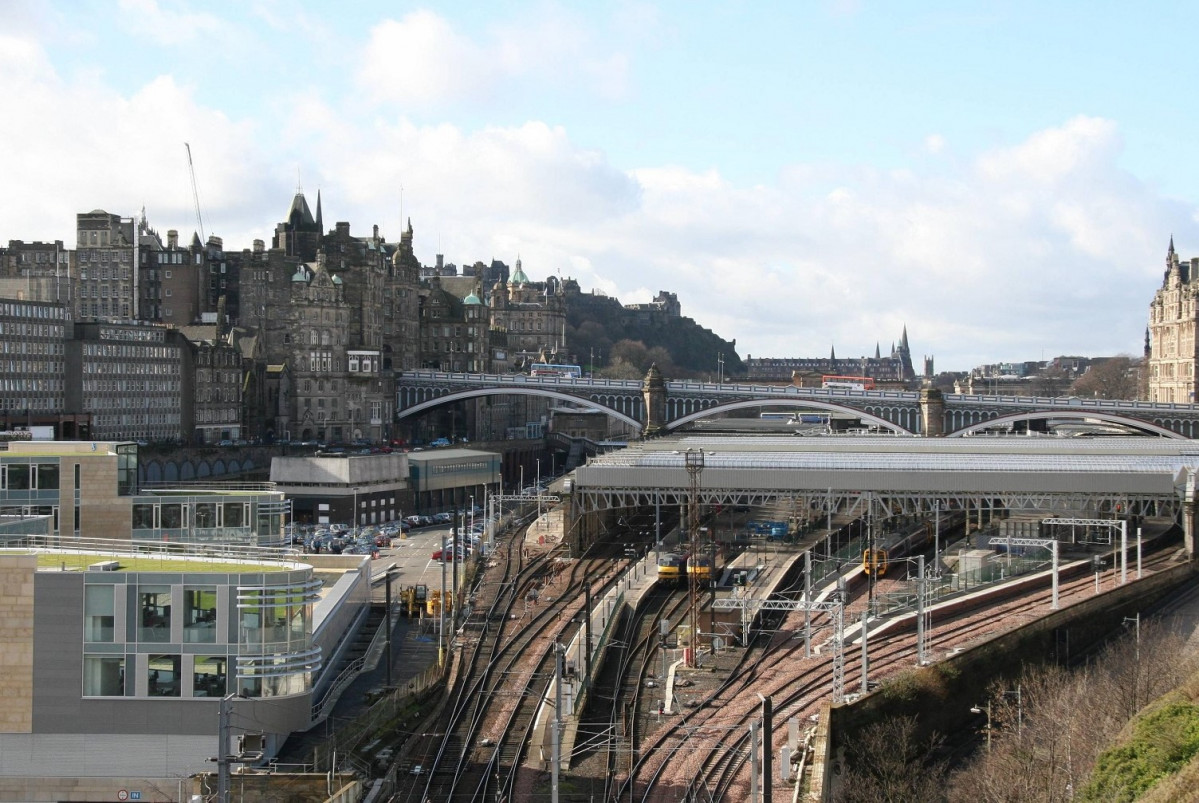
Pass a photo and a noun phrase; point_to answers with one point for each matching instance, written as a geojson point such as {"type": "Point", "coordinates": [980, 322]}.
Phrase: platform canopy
{"type": "Point", "coordinates": [1020, 472]}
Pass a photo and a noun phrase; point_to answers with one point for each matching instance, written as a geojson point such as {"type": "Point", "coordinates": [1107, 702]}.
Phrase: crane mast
{"type": "Point", "coordinates": [195, 193]}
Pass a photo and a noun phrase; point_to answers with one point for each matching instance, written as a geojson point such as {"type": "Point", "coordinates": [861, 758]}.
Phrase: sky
{"type": "Point", "coordinates": [1002, 179]}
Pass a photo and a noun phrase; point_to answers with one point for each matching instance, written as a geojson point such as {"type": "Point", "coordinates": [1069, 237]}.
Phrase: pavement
{"type": "Point", "coordinates": [413, 650]}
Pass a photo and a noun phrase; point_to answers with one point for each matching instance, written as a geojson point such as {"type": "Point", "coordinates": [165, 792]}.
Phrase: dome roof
{"type": "Point", "coordinates": [519, 277]}
{"type": "Point", "coordinates": [300, 275]}
{"type": "Point", "coordinates": [472, 299]}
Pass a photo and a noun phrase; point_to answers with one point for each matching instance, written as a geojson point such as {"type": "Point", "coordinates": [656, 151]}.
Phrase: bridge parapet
{"type": "Point", "coordinates": [896, 410]}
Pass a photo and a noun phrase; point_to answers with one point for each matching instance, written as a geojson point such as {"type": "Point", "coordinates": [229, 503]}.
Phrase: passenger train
{"type": "Point", "coordinates": [700, 567]}
{"type": "Point", "coordinates": [671, 568]}
{"type": "Point", "coordinates": [908, 539]}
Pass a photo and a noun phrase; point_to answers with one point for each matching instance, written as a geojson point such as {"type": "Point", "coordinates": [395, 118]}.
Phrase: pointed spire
{"type": "Point", "coordinates": [832, 354]}
{"type": "Point", "coordinates": [319, 224]}
{"type": "Point", "coordinates": [878, 355]}
{"type": "Point", "coordinates": [1171, 251]}
{"type": "Point", "coordinates": [903, 341]}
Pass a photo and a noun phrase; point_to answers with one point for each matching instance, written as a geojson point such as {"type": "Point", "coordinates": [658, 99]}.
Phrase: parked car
{"type": "Point", "coordinates": [440, 442]}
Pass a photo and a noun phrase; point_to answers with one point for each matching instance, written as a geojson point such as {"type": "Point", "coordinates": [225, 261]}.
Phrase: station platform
{"type": "Point", "coordinates": [763, 571]}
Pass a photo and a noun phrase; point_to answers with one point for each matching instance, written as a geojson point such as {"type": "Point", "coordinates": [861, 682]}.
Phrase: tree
{"type": "Point", "coordinates": [1052, 382]}
{"type": "Point", "coordinates": [1114, 378]}
{"type": "Point", "coordinates": [887, 763]}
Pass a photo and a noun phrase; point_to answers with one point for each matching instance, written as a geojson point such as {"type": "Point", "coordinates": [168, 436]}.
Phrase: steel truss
{"type": "Point", "coordinates": [897, 502]}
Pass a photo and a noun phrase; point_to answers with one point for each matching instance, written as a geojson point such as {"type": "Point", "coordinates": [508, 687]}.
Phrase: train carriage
{"type": "Point", "coordinates": [671, 567]}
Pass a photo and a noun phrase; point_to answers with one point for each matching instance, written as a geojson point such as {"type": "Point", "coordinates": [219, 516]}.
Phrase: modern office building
{"type": "Point", "coordinates": [90, 490]}
{"type": "Point", "coordinates": [129, 378]}
{"type": "Point", "coordinates": [129, 618]}
{"type": "Point", "coordinates": [114, 664]}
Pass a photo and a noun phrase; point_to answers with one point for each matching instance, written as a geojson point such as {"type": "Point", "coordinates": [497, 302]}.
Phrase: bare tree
{"type": "Point", "coordinates": [1050, 726]}
{"type": "Point", "coordinates": [887, 764]}
{"type": "Point", "coordinates": [1114, 378]}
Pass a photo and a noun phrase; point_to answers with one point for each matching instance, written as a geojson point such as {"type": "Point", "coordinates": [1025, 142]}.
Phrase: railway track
{"type": "Point", "coordinates": [505, 664]}
{"type": "Point", "coordinates": [704, 755]}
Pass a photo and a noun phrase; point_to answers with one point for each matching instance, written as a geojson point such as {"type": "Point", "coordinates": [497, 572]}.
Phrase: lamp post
{"type": "Point", "coordinates": [987, 710]}
{"type": "Point", "coordinates": [693, 460]}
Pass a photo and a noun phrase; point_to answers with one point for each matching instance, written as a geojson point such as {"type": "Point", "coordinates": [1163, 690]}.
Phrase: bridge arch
{"type": "Point", "coordinates": [1077, 415]}
{"type": "Point", "coordinates": [797, 404]}
{"type": "Point", "coordinates": [461, 395]}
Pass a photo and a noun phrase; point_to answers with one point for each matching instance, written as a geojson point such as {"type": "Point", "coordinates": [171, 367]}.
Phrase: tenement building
{"type": "Point", "coordinates": [107, 259]}
{"type": "Point", "coordinates": [1170, 349]}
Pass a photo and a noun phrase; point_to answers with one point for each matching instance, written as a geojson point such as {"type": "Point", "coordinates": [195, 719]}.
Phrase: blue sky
{"type": "Point", "coordinates": [1002, 179]}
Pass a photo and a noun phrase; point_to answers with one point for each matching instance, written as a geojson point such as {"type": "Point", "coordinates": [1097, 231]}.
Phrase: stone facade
{"type": "Point", "coordinates": [16, 644]}
{"type": "Point", "coordinates": [107, 259]}
{"type": "Point", "coordinates": [533, 316]}
{"type": "Point", "coordinates": [1170, 348]}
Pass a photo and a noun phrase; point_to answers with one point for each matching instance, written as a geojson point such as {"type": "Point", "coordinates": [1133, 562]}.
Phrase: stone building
{"type": "Point", "coordinates": [1170, 347]}
{"type": "Point", "coordinates": [107, 259]}
{"type": "Point", "coordinates": [216, 365]}
{"type": "Point", "coordinates": [533, 315]}
{"type": "Point", "coordinates": [335, 315]}
{"type": "Point", "coordinates": [37, 271]}
{"type": "Point", "coordinates": [453, 330]}
{"type": "Point", "coordinates": [896, 368]}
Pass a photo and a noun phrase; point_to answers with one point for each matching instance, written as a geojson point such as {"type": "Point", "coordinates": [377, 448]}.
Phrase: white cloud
{"type": "Point", "coordinates": [1044, 246]}
{"type": "Point", "coordinates": [169, 26]}
{"type": "Point", "coordinates": [934, 143]}
{"type": "Point", "coordinates": [421, 61]}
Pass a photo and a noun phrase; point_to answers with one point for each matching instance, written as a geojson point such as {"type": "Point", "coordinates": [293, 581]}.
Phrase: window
{"type": "Point", "coordinates": [98, 613]}
{"type": "Point", "coordinates": [154, 624]}
{"type": "Point", "coordinates": [143, 517]}
{"type": "Point", "coordinates": [103, 676]}
{"type": "Point", "coordinates": [16, 477]}
{"type": "Point", "coordinates": [199, 614]}
{"type": "Point", "coordinates": [162, 676]}
{"type": "Point", "coordinates": [209, 676]}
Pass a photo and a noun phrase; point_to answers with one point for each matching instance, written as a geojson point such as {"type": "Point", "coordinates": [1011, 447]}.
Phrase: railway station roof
{"type": "Point", "coordinates": [998, 465]}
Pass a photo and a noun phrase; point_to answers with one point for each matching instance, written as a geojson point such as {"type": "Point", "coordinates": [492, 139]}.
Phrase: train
{"type": "Point", "coordinates": [908, 538]}
{"type": "Point", "coordinates": [671, 568]}
{"type": "Point", "coordinates": [700, 567]}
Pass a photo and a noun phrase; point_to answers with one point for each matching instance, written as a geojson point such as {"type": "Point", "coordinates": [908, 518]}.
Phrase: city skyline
{"type": "Point", "coordinates": [1004, 182]}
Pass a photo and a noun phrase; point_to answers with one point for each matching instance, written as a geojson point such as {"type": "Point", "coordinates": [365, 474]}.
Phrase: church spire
{"type": "Point", "coordinates": [320, 226]}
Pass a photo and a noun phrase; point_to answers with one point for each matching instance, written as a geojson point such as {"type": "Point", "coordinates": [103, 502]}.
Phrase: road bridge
{"type": "Point", "coordinates": [658, 406]}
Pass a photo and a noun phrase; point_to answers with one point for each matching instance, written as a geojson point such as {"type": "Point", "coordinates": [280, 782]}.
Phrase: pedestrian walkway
{"type": "Point", "coordinates": [412, 652]}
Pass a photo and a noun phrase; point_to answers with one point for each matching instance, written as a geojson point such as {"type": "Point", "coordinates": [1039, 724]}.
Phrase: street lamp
{"type": "Point", "coordinates": [987, 710]}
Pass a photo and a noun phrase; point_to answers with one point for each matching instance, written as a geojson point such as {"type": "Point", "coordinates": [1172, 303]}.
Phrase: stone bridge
{"type": "Point", "coordinates": [672, 405]}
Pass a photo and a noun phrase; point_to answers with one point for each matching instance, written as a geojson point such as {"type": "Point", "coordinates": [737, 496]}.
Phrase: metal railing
{"type": "Point", "coordinates": [108, 547]}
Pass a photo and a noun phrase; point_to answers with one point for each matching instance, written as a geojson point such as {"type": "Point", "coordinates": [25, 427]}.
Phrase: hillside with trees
{"type": "Point", "coordinates": [625, 342]}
